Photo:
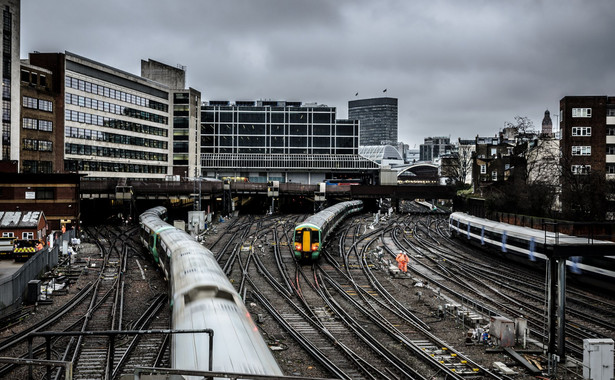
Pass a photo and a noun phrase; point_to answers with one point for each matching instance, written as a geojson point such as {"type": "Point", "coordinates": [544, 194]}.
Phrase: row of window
{"type": "Point", "coordinates": [108, 92]}
{"type": "Point", "coordinates": [580, 169]}
{"type": "Point", "coordinates": [581, 112]}
{"type": "Point", "coordinates": [37, 104]}
{"type": "Point", "coordinates": [34, 78]}
{"type": "Point", "coordinates": [88, 150]}
{"type": "Point", "coordinates": [279, 129]}
{"type": "Point", "coordinates": [87, 134]}
{"type": "Point", "coordinates": [37, 145]}
{"type": "Point", "coordinates": [41, 125]}
{"type": "Point", "coordinates": [103, 121]}
{"type": "Point", "coordinates": [299, 116]}
{"type": "Point", "coordinates": [24, 235]}
{"type": "Point", "coordinates": [283, 151]}
{"type": "Point", "coordinates": [35, 167]}
{"type": "Point", "coordinates": [6, 88]}
{"type": "Point", "coordinates": [116, 167]}
{"type": "Point", "coordinates": [305, 161]}
{"type": "Point", "coordinates": [581, 150]}
{"type": "Point", "coordinates": [117, 109]}
{"type": "Point", "coordinates": [581, 131]}
{"type": "Point", "coordinates": [279, 141]}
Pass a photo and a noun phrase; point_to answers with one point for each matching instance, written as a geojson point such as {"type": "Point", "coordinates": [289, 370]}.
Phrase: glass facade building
{"type": "Point", "coordinates": [378, 117]}
{"type": "Point", "coordinates": [267, 139]}
{"type": "Point", "coordinates": [116, 125]}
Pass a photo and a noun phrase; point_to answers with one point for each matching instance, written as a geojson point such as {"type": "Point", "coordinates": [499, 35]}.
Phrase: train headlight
{"type": "Point", "coordinates": [297, 246]}
{"type": "Point", "coordinates": [314, 246]}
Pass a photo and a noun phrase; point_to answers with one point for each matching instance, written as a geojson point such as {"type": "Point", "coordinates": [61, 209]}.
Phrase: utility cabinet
{"type": "Point", "coordinates": [598, 359]}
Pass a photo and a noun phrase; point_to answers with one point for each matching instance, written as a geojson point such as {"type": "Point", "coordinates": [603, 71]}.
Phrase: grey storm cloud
{"type": "Point", "coordinates": [458, 68]}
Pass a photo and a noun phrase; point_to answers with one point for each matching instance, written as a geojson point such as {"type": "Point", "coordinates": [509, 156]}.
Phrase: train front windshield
{"type": "Point", "coordinates": [306, 240]}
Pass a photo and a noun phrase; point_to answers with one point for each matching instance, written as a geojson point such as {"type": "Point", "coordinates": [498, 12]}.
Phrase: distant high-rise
{"type": "Point", "coordinates": [10, 79]}
{"type": "Point", "coordinates": [378, 120]}
{"type": "Point", "coordinates": [547, 124]}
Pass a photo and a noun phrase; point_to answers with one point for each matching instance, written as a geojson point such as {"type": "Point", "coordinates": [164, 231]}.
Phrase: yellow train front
{"type": "Point", "coordinates": [307, 242]}
{"type": "Point", "coordinates": [310, 235]}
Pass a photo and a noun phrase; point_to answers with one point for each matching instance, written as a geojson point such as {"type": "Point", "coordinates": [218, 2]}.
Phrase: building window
{"type": "Point", "coordinates": [610, 169]}
{"type": "Point", "coordinates": [581, 131]}
{"type": "Point", "coordinates": [610, 149]}
{"type": "Point", "coordinates": [494, 175]}
{"type": "Point", "coordinates": [483, 169]}
{"type": "Point", "coordinates": [578, 150]}
{"type": "Point", "coordinates": [29, 102]}
{"type": "Point", "coordinates": [610, 131]}
{"type": "Point", "coordinates": [25, 76]}
{"type": "Point", "coordinates": [494, 152]}
{"type": "Point", "coordinates": [27, 235]}
{"type": "Point", "coordinates": [45, 193]}
{"type": "Point", "coordinates": [581, 112]}
{"type": "Point", "coordinates": [8, 234]}
{"type": "Point", "coordinates": [45, 125]}
{"type": "Point", "coordinates": [28, 123]}
{"type": "Point", "coordinates": [580, 169]}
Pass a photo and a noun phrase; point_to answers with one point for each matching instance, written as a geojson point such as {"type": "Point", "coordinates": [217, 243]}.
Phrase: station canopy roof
{"type": "Point", "coordinates": [381, 154]}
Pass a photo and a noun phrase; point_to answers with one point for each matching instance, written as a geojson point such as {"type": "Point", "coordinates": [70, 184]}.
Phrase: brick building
{"type": "Point", "coordinates": [587, 131]}
{"type": "Point", "coordinates": [29, 225]}
{"type": "Point", "coordinates": [41, 134]}
{"type": "Point", "coordinates": [57, 195]}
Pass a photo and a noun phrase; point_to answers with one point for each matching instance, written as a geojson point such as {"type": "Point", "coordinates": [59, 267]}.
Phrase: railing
{"type": "Point", "coordinates": [13, 287]}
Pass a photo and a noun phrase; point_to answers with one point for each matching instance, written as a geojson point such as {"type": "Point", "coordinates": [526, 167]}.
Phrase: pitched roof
{"type": "Point", "coordinates": [18, 219]}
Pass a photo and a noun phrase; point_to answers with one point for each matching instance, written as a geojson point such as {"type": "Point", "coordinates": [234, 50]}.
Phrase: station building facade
{"type": "Point", "coordinates": [261, 141]}
{"type": "Point", "coordinates": [115, 124]}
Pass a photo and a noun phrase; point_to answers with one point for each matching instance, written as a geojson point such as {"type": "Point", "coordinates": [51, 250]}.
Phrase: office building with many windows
{"type": "Point", "coordinates": [378, 118]}
{"type": "Point", "coordinates": [186, 116]}
{"type": "Point", "coordinates": [260, 141]}
{"type": "Point", "coordinates": [434, 147]}
{"type": "Point", "coordinates": [9, 64]}
{"type": "Point", "coordinates": [116, 124]}
{"type": "Point", "coordinates": [41, 151]}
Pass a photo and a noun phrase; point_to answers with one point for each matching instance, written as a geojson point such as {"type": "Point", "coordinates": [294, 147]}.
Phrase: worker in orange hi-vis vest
{"type": "Point", "coordinates": [402, 261]}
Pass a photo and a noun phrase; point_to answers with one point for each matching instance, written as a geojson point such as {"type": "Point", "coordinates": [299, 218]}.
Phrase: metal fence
{"type": "Point", "coordinates": [12, 288]}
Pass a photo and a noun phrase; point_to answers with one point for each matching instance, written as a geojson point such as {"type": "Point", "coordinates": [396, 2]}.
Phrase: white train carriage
{"type": "Point", "coordinates": [530, 243]}
{"type": "Point", "coordinates": [202, 297]}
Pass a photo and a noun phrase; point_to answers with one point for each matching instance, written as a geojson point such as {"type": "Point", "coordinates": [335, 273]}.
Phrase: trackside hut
{"type": "Point", "coordinates": [26, 225]}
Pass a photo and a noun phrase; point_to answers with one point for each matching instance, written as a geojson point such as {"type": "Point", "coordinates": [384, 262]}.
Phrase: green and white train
{"type": "Point", "coordinates": [310, 235]}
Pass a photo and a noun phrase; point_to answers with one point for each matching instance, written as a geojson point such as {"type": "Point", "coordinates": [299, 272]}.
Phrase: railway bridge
{"type": "Point", "coordinates": [219, 196]}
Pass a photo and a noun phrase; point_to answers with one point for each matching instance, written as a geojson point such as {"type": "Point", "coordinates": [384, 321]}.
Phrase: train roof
{"type": "Point", "coordinates": [318, 219]}
{"type": "Point", "coordinates": [546, 237]}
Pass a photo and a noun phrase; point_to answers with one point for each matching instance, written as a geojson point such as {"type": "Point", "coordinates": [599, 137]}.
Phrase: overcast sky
{"type": "Point", "coordinates": [458, 68]}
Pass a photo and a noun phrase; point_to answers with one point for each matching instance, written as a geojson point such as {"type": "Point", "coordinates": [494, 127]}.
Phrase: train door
{"type": "Point", "coordinates": [307, 240]}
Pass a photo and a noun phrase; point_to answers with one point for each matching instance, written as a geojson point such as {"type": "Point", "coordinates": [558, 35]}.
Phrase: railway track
{"type": "Point", "coordinates": [100, 271]}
